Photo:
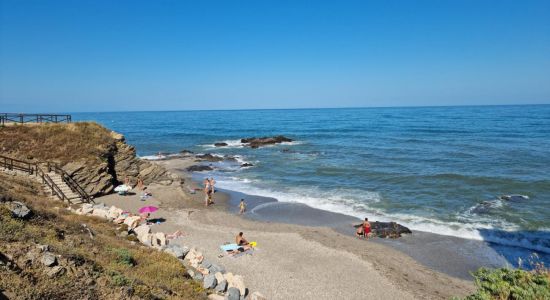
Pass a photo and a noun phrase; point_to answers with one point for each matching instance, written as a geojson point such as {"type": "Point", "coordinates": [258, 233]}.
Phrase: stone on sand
{"type": "Point", "coordinates": [209, 282]}
{"type": "Point", "coordinates": [222, 286]}
{"type": "Point", "coordinates": [233, 294]}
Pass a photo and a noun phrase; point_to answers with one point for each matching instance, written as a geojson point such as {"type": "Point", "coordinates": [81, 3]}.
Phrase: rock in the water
{"type": "Point", "coordinates": [186, 152]}
{"type": "Point", "coordinates": [199, 168]}
{"type": "Point", "coordinates": [19, 210]}
{"type": "Point", "coordinates": [48, 259]}
{"type": "Point", "coordinates": [209, 157]}
{"type": "Point", "coordinates": [485, 207]}
{"type": "Point", "coordinates": [257, 296]}
{"type": "Point", "coordinates": [514, 197]}
{"type": "Point", "coordinates": [220, 144]}
{"type": "Point", "coordinates": [255, 142]}
{"type": "Point", "coordinates": [209, 281]}
{"type": "Point", "coordinates": [233, 294]}
{"type": "Point", "coordinates": [221, 286]}
{"type": "Point", "coordinates": [387, 229]}
{"type": "Point", "coordinates": [56, 271]}
{"type": "Point", "coordinates": [246, 165]}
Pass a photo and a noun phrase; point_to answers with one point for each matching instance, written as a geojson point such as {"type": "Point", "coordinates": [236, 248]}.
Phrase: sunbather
{"type": "Point", "coordinates": [240, 240]}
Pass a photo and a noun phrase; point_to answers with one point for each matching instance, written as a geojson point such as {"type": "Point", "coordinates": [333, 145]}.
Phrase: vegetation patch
{"type": "Point", "coordinates": [512, 284]}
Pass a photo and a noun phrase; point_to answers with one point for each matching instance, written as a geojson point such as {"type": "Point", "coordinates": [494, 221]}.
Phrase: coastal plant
{"type": "Point", "coordinates": [512, 284]}
{"type": "Point", "coordinates": [123, 257]}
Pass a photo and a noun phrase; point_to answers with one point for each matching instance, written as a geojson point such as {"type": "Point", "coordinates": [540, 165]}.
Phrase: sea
{"type": "Point", "coordinates": [442, 170]}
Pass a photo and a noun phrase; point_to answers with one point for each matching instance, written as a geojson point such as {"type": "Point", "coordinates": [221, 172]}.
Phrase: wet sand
{"type": "Point", "coordinates": [310, 260]}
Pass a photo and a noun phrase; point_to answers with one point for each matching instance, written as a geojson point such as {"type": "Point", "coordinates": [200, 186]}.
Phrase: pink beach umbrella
{"type": "Point", "coordinates": [148, 209]}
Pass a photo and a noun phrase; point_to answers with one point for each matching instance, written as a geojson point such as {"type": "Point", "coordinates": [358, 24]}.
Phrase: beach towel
{"type": "Point", "coordinates": [229, 247]}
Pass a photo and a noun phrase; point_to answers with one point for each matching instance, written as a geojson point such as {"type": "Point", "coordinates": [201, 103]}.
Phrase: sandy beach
{"type": "Point", "coordinates": [291, 261]}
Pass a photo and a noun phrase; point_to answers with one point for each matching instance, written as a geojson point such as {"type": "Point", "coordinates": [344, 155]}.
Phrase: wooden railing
{"type": "Point", "coordinates": [75, 187]}
{"type": "Point", "coordinates": [16, 164]}
{"type": "Point", "coordinates": [32, 168]}
{"type": "Point", "coordinates": [33, 118]}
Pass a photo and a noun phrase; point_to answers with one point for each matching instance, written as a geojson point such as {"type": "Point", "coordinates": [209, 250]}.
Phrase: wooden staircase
{"type": "Point", "coordinates": [61, 184]}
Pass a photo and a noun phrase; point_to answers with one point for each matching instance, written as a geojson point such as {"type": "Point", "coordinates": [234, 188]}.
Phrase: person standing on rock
{"type": "Point", "coordinates": [242, 207]}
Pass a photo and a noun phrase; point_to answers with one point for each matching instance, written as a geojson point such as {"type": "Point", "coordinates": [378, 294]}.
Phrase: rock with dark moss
{"type": "Point", "coordinates": [220, 144]}
{"type": "Point", "coordinates": [199, 168]}
{"type": "Point", "coordinates": [256, 142]}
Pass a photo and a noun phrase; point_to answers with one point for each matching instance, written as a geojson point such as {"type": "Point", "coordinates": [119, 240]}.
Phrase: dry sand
{"type": "Point", "coordinates": [292, 261]}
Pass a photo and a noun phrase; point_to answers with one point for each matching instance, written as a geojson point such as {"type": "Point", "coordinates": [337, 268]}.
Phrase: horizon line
{"type": "Point", "coordinates": [296, 108]}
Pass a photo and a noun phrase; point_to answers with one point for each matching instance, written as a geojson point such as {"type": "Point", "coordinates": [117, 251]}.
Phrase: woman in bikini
{"type": "Point", "coordinates": [364, 230]}
{"type": "Point", "coordinates": [206, 183]}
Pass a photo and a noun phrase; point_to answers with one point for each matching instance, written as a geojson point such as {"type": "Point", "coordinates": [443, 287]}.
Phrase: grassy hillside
{"type": "Point", "coordinates": [102, 264]}
{"type": "Point", "coordinates": [57, 142]}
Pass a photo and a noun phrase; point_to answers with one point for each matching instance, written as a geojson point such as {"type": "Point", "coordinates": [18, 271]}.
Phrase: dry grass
{"type": "Point", "coordinates": [105, 267]}
{"type": "Point", "coordinates": [59, 142]}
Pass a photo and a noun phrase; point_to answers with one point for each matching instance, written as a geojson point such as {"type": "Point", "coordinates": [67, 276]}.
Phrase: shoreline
{"type": "Point", "coordinates": [403, 270]}
{"type": "Point", "coordinates": [454, 256]}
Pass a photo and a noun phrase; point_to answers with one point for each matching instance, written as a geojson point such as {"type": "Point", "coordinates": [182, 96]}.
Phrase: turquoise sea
{"type": "Point", "coordinates": [435, 169]}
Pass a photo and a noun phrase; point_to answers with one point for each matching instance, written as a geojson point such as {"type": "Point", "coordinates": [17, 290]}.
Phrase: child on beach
{"type": "Point", "coordinates": [242, 207]}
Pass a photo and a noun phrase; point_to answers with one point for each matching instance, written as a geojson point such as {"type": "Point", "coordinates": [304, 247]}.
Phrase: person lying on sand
{"type": "Point", "coordinates": [364, 229]}
{"type": "Point", "coordinates": [239, 250]}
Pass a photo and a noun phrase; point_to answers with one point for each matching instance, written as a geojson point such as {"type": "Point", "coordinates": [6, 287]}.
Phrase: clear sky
{"type": "Point", "coordinates": [68, 56]}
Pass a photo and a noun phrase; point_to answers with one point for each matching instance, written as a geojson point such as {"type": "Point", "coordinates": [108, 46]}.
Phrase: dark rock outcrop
{"type": "Point", "coordinates": [199, 168]}
{"type": "Point", "coordinates": [246, 165]}
{"type": "Point", "coordinates": [255, 142]}
{"type": "Point", "coordinates": [387, 229]}
{"type": "Point", "coordinates": [220, 144]}
{"type": "Point", "coordinates": [514, 197]}
{"type": "Point", "coordinates": [209, 157]}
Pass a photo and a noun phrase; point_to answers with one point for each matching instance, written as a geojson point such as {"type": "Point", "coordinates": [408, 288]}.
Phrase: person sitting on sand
{"type": "Point", "coordinates": [242, 207]}
{"type": "Point", "coordinates": [240, 240]}
{"type": "Point", "coordinates": [364, 229]}
{"type": "Point", "coordinates": [140, 185]}
{"type": "Point", "coordinates": [144, 217]}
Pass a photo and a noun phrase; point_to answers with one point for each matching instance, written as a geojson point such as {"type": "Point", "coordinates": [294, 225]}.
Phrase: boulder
{"type": "Point", "coordinates": [19, 210]}
{"type": "Point", "coordinates": [206, 263]}
{"type": "Point", "coordinates": [387, 229]}
{"type": "Point", "coordinates": [56, 271]}
{"type": "Point", "coordinates": [257, 296]}
{"type": "Point", "coordinates": [215, 268]}
{"type": "Point", "coordinates": [48, 259]}
{"type": "Point", "coordinates": [159, 239]}
{"type": "Point", "coordinates": [209, 281]}
{"type": "Point", "coordinates": [114, 212]}
{"type": "Point", "coordinates": [209, 157]}
{"type": "Point", "coordinates": [176, 251]}
{"type": "Point", "coordinates": [245, 165]}
{"type": "Point", "coordinates": [255, 142]}
{"type": "Point", "coordinates": [199, 168]}
{"type": "Point", "coordinates": [219, 276]}
{"type": "Point", "coordinates": [220, 144]}
{"type": "Point", "coordinates": [237, 281]}
{"type": "Point", "coordinates": [132, 222]}
{"type": "Point", "coordinates": [233, 294]}
{"type": "Point", "coordinates": [100, 212]}
{"type": "Point", "coordinates": [221, 287]}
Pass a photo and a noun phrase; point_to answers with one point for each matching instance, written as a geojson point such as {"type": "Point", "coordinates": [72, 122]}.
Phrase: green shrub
{"type": "Point", "coordinates": [512, 284]}
{"type": "Point", "coordinates": [118, 279]}
{"type": "Point", "coordinates": [123, 256]}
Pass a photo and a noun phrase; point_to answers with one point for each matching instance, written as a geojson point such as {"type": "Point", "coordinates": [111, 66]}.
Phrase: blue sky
{"type": "Point", "coordinates": [58, 56]}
